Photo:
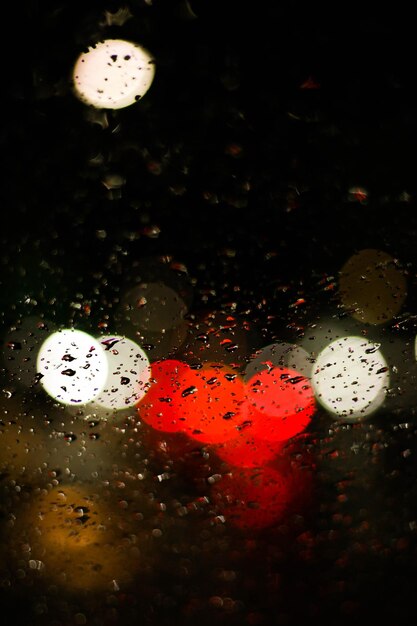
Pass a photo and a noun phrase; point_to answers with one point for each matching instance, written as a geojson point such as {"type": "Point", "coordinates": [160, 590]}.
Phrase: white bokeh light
{"type": "Point", "coordinates": [350, 378]}
{"type": "Point", "coordinates": [280, 354]}
{"type": "Point", "coordinates": [113, 74]}
{"type": "Point", "coordinates": [128, 373]}
{"type": "Point", "coordinates": [72, 366]}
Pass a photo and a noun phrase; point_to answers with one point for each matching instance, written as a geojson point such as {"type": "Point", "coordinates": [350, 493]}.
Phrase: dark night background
{"type": "Point", "coordinates": [239, 163]}
{"type": "Point", "coordinates": [229, 150]}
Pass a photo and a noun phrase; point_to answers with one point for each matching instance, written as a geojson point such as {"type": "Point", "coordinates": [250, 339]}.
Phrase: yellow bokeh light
{"type": "Point", "coordinates": [77, 539]}
{"type": "Point", "coordinates": [372, 287]}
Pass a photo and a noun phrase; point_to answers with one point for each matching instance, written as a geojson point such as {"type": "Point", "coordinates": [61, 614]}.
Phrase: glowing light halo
{"type": "Point", "coordinates": [128, 373]}
{"type": "Point", "coordinates": [153, 310]}
{"type": "Point", "coordinates": [247, 451]}
{"type": "Point", "coordinates": [72, 366]}
{"type": "Point", "coordinates": [280, 354]}
{"type": "Point", "coordinates": [113, 74]}
{"type": "Point", "coordinates": [213, 403]}
{"type": "Point", "coordinates": [350, 378]}
{"type": "Point", "coordinates": [206, 404]}
{"type": "Point", "coordinates": [328, 328]}
{"type": "Point", "coordinates": [372, 287]}
{"type": "Point", "coordinates": [161, 405]}
{"type": "Point", "coordinates": [75, 539]}
{"type": "Point", "coordinates": [281, 404]}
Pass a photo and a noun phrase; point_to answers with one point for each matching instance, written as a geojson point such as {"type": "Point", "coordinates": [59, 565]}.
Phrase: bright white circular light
{"type": "Point", "coordinates": [72, 366]}
{"type": "Point", "coordinates": [350, 378]}
{"type": "Point", "coordinates": [113, 74]}
{"type": "Point", "coordinates": [128, 373]}
{"type": "Point", "coordinates": [280, 354]}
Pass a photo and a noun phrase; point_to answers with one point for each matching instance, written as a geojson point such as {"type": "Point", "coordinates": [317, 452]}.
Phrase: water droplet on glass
{"type": "Point", "coordinates": [68, 372]}
{"type": "Point", "coordinates": [189, 391]}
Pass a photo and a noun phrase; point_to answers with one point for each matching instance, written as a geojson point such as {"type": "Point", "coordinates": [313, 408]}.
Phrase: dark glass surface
{"type": "Point", "coordinates": [274, 143]}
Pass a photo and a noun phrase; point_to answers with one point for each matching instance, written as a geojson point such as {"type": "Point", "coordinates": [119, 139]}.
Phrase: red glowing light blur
{"type": "Point", "coordinates": [281, 403]}
{"type": "Point", "coordinates": [214, 406]}
{"type": "Point", "coordinates": [213, 403]}
{"type": "Point", "coordinates": [162, 404]}
{"type": "Point", "coordinates": [252, 499]}
{"type": "Point", "coordinates": [247, 451]}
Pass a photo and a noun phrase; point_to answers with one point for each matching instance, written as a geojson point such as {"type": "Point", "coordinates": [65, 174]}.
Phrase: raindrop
{"type": "Point", "coordinates": [68, 372]}
{"type": "Point", "coordinates": [189, 391]}
{"type": "Point", "coordinates": [373, 348]}
{"type": "Point", "coordinates": [109, 343]}
{"type": "Point", "coordinates": [70, 437]}
{"type": "Point", "coordinates": [296, 379]}
{"type": "Point", "coordinates": [14, 345]}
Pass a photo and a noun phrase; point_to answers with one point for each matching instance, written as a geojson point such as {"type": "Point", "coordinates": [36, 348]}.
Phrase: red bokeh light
{"type": "Point", "coordinates": [162, 404]}
{"type": "Point", "coordinates": [213, 403]}
{"type": "Point", "coordinates": [280, 404]}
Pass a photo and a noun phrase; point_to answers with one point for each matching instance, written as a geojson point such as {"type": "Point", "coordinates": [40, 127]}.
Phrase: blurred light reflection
{"type": "Point", "coordinates": [213, 403]}
{"type": "Point", "coordinates": [74, 534]}
{"type": "Point", "coordinates": [281, 403]}
{"type": "Point", "coordinates": [161, 406]}
{"type": "Point", "coordinates": [351, 378]}
{"type": "Point", "coordinates": [128, 373]}
{"type": "Point", "coordinates": [280, 354]}
{"type": "Point", "coordinates": [246, 450]}
{"type": "Point", "coordinates": [113, 74]}
{"type": "Point", "coordinates": [152, 312]}
{"type": "Point", "coordinates": [72, 366]}
{"type": "Point", "coordinates": [372, 287]}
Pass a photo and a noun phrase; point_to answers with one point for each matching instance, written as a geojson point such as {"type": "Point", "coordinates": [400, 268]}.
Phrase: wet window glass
{"type": "Point", "coordinates": [208, 315]}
